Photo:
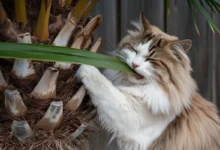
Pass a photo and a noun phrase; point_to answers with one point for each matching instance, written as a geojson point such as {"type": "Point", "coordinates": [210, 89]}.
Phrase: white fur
{"type": "Point", "coordinates": [143, 49]}
{"type": "Point", "coordinates": [135, 111]}
{"type": "Point", "coordinates": [139, 58]}
{"type": "Point", "coordinates": [128, 111]}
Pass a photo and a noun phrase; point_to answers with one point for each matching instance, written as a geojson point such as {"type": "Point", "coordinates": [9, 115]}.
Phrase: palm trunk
{"type": "Point", "coordinates": [64, 36]}
{"type": "Point", "coordinates": [77, 98]}
{"type": "Point", "coordinates": [14, 104]}
{"type": "Point", "coordinates": [52, 117]}
{"type": "Point", "coordinates": [46, 87]}
{"type": "Point", "coordinates": [78, 43]}
{"type": "Point", "coordinates": [34, 92]}
{"type": "Point", "coordinates": [23, 68]}
{"type": "Point", "coordinates": [22, 130]}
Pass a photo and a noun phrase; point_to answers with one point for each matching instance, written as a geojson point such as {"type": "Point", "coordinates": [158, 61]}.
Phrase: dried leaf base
{"type": "Point", "coordinates": [42, 107]}
{"type": "Point", "coordinates": [58, 139]}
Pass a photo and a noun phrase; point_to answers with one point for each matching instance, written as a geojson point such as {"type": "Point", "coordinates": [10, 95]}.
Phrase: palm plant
{"type": "Point", "coordinates": [41, 104]}
{"type": "Point", "coordinates": [201, 6]}
{"type": "Point", "coordinates": [39, 101]}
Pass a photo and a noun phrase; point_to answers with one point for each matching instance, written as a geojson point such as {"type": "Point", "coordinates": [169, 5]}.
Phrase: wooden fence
{"type": "Point", "coordinates": [204, 54]}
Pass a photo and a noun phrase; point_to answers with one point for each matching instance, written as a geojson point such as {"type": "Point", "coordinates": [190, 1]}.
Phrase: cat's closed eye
{"type": "Point", "coordinates": [153, 47]}
{"type": "Point", "coordinates": [129, 46]}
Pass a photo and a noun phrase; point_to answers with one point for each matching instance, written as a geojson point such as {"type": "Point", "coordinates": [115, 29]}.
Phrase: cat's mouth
{"type": "Point", "coordinates": [138, 76]}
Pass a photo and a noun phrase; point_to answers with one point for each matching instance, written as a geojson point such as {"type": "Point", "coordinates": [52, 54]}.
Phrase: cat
{"type": "Point", "coordinates": [158, 108]}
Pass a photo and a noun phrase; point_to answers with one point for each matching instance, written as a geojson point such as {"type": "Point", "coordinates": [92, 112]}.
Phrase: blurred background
{"type": "Point", "coordinates": [204, 54]}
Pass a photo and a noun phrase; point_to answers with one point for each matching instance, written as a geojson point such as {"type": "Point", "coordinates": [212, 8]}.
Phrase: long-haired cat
{"type": "Point", "coordinates": [158, 108]}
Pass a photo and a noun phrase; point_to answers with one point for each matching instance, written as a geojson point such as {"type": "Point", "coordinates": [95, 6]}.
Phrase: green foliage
{"type": "Point", "coordinates": [201, 7]}
{"type": "Point", "coordinates": [168, 6]}
{"type": "Point", "coordinates": [61, 54]}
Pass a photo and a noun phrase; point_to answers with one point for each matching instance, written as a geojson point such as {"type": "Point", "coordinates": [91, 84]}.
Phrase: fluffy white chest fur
{"type": "Point", "coordinates": [126, 110]}
{"type": "Point", "coordinates": [140, 109]}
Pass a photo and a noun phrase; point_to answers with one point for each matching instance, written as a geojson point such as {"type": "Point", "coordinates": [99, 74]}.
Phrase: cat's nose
{"type": "Point", "coordinates": [134, 65]}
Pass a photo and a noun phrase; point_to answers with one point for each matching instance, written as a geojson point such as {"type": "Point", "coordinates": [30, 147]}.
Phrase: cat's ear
{"type": "Point", "coordinates": [144, 21]}
{"type": "Point", "coordinates": [184, 44]}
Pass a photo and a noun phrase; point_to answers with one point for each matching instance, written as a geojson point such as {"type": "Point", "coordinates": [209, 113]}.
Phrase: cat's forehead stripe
{"type": "Point", "coordinates": [144, 48]}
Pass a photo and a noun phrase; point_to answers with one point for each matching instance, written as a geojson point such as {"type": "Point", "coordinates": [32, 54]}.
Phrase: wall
{"type": "Point", "coordinates": [204, 54]}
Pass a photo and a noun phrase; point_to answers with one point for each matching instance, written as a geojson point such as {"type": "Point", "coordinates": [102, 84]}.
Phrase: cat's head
{"type": "Point", "coordinates": [158, 58]}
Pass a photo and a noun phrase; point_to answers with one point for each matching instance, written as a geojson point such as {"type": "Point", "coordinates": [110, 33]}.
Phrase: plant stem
{"type": "Point", "coordinates": [52, 117]}
{"type": "Point", "coordinates": [74, 16]}
{"type": "Point", "coordinates": [89, 8]}
{"type": "Point", "coordinates": [91, 26]}
{"type": "Point", "coordinates": [88, 42]}
{"type": "Point", "coordinates": [78, 43]}
{"type": "Point", "coordinates": [23, 68]}
{"type": "Point", "coordinates": [78, 132]}
{"type": "Point", "coordinates": [20, 11]}
{"type": "Point", "coordinates": [79, 9]}
{"type": "Point", "coordinates": [41, 30]}
{"type": "Point", "coordinates": [68, 3]}
{"type": "Point", "coordinates": [2, 14]}
{"type": "Point", "coordinates": [22, 130]}
{"type": "Point", "coordinates": [76, 99]}
{"type": "Point", "coordinates": [65, 33]}
{"type": "Point", "coordinates": [96, 46]}
{"type": "Point", "coordinates": [46, 87]}
{"type": "Point", "coordinates": [14, 104]}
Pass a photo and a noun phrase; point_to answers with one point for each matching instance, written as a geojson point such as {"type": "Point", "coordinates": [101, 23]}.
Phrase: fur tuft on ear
{"type": "Point", "coordinates": [185, 44]}
{"type": "Point", "coordinates": [144, 21]}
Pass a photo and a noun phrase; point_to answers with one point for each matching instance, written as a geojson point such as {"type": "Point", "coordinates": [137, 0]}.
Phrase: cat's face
{"type": "Point", "coordinates": [160, 61]}
{"type": "Point", "coordinates": [137, 56]}
{"type": "Point", "coordinates": [154, 55]}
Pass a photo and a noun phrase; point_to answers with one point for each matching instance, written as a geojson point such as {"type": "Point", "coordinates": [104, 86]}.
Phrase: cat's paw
{"type": "Point", "coordinates": [86, 71]}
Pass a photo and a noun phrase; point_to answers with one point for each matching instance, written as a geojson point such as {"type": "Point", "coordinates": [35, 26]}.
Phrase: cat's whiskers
{"type": "Point", "coordinates": [159, 81]}
{"type": "Point", "coordinates": [118, 54]}
{"type": "Point", "coordinates": [150, 78]}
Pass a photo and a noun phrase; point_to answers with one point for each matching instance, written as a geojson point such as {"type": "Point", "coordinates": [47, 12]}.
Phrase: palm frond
{"type": "Point", "coordinates": [193, 17]}
{"type": "Point", "coordinates": [201, 7]}
{"type": "Point", "coordinates": [204, 12]}
{"type": "Point", "coordinates": [61, 54]}
{"type": "Point", "coordinates": [168, 7]}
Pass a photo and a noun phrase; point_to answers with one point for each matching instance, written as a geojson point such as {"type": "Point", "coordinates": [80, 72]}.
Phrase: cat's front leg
{"type": "Point", "coordinates": [91, 78]}
{"type": "Point", "coordinates": [97, 84]}
{"type": "Point", "coordinates": [115, 111]}
{"type": "Point", "coordinates": [86, 71]}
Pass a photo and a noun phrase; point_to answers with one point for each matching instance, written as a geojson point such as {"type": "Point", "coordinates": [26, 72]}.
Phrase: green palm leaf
{"type": "Point", "coordinates": [61, 54]}
{"type": "Point", "coordinates": [193, 17]}
{"type": "Point", "coordinates": [199, 5]}
{"type": "Point", "coordinates": [202, 10]}
{"type": "Point", "coordinates": [168, 6]}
